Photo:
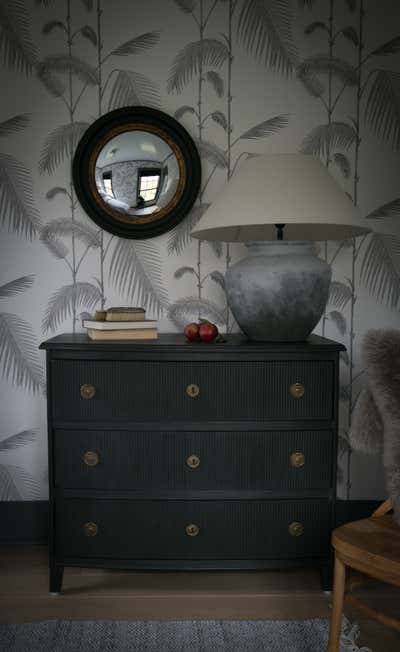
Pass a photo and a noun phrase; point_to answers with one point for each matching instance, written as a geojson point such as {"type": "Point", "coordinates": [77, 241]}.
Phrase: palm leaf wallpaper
{"type": "Point", "coordinates": [244, 77]}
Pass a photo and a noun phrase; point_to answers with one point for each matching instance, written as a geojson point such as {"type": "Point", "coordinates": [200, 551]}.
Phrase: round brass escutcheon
{"type": "Point", "coordinates": [91, 458]}
{"type": "Point", "coordinates": [193, 461]}
{"type": "Point", "coordinates": [88, 391]}
{"type": "Point", "coordinates": [296, 529]}
{"type": "Point", "coordinates": [90, 529]}
{"type": "Point", "coordinates": [297, 390]}
{"type": "Point", "coordinates": [192, 390]}
{"type": "Point", "coordinates": [297, 460]}
{"type": "Point", "coordinates": [192, 530]}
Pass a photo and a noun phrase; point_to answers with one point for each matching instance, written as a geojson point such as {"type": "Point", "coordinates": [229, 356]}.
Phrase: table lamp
{"type": "Point", "coordinates": [278, 204]}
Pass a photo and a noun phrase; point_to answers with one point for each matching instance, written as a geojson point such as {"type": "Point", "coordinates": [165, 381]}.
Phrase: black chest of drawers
{"type": "Point", "coordinates": [174, 455]}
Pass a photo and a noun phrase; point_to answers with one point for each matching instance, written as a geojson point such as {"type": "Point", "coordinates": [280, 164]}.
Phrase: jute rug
{"type": "Point", "coordinates": [185, 636]}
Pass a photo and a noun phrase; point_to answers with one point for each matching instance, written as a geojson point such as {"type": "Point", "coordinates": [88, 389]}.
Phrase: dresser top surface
{"type": "Point", "coordinates": [176, 341]}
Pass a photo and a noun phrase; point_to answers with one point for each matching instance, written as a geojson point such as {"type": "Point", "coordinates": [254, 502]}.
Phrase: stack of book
{"type": "Point", "coordinates": [121, 324]}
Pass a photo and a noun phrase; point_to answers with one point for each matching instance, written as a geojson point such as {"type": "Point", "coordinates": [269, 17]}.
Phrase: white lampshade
{"type": "Point", "coordinates": [291, 189]}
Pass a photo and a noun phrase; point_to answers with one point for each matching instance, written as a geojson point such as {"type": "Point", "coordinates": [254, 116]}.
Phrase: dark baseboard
{"type": "Point", "coordinates": [25, 522]}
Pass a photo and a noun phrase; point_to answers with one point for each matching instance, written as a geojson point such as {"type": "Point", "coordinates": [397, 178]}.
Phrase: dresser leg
{"type": "Point", "coordinates": [327, 577]}
{"type": "Point", "coordinates": [56, 578]}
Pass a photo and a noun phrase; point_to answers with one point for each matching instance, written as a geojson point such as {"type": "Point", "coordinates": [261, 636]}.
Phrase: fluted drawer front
{"type": "Point", "coordinates": [191, 530]}
{"type": "Point", "coordinates": [198, 390]}
{"type": "Point", "coordinates": [235, 461]}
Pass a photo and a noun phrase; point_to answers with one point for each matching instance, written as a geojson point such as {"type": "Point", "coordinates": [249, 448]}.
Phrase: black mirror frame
{"type": "Point", "coordinates": [175, 135]}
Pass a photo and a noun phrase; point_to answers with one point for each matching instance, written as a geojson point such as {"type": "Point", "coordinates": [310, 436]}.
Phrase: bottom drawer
{"type": "Point", "coordinates": [181, 529]}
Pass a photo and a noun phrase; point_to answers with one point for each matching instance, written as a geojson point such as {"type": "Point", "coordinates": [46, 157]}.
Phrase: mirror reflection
{"type": "Point", "coordinates": [137, 173]}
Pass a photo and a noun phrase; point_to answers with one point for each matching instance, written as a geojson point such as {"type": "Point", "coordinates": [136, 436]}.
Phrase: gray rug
{"type": "Point", "coordinates": [185, 636]}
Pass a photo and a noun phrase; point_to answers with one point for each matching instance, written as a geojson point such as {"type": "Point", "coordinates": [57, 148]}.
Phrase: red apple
{"type": "Point", "coordinates": [208, 331]}
{"type": "Point", "coordinates": [191, 332]}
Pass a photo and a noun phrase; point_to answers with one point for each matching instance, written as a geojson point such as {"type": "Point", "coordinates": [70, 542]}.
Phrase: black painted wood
{"type": "Point", "coordinates": [156, 529]}
{"type": "Point", "coordinates": [244, 425]}
{"type": "Point", "coordinates": [236, 461]}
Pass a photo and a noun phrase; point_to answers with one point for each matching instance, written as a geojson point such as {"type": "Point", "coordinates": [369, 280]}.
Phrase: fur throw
{"type": "Point", "coordinates": [376, 418]}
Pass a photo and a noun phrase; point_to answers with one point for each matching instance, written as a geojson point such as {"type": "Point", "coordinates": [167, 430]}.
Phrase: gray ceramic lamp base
{"type": "Point", "coordinates": [279, 292]}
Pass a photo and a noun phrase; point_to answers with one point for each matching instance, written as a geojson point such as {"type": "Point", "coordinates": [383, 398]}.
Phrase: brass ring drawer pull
{"type": "Point", "coordinates": [297, 390]}
{"type": "Point", "coordinates": [88, 391]}
{"type": "Point", "coordinates": [297, 460]}
{"type": "Point", "coordinates": [193, 461]}
{"type": "Point", "coordinates": [192, 530]}
{"type": "Point", "coordinates": [90, 529]}
{"type": "Point", "coordinates": [192, 390]}
{"type": "Point", "coordinates": [296, 529]}
{"type": "Point", "coordinates": [91, 458]}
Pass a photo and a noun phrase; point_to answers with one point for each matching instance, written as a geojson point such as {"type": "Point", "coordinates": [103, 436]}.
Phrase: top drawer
{"type": "Point", "coordinates": [199, 390]}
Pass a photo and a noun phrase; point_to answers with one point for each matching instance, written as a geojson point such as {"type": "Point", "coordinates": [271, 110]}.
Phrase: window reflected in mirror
{"type": "Point", "coordinates": [137, 173]}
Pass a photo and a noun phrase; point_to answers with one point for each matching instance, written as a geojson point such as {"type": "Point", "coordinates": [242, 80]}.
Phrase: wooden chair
{"type": "Point", "coordinates": [372, 547]}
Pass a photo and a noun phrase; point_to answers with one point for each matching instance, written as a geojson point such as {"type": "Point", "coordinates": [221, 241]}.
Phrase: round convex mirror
{"type": "Point", "coordinates": [136, 172]}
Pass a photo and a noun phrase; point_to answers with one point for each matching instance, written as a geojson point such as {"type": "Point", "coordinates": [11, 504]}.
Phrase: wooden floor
{"type": "Point", "coordinates": [90, 594]}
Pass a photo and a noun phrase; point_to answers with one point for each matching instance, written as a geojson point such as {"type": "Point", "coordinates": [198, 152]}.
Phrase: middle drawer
{"type": "Point", "coordinates": [171, 460]}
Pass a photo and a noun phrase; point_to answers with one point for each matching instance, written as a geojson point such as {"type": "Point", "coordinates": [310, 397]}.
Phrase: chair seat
{"type": "Point", "coordinates": [371, 546]}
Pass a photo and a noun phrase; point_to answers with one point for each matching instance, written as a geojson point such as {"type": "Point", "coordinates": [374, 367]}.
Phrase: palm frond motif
{"type": "Point", "coordinates": [65, 227]}
{"type": "Point", "coordinates": [343, 164]}
{"type": "Point", "coordinates": [315, 26]}
{"type": "Point", "coordinates": [51, 25]}
{"type": "Point", "coordinates": [212, 153]}
{"type": "Point", "coordinates": [187, 63]}
{"type": "Point", "coordinates": [390, 47]}
{"type": "Point", "coordinates": [131, 88]}
{"type": "Point", "coordinates": [380, 269]}
{"type": "Point", "coordinates": [181, 271]}
{"type": "Point", "coordinates": [311, 83]}
{"type": "Point", "coordinates": [50, 81]}
{"type": "Point", "coordinates": [324, 64]}
{"type": "Point", "coordinates": [327, 138]}
{"type": "Point", "coordinates": [136, 272]}
{"type": "Point", "coordinates": [137, 44]}
{"type": "Point", "coordinates": [16, 441]}
{"type": "Point", "coordinates": [382, 110]}
{"type": "Point", "coordinates": [215, 246]}
{"type": "Point", "coordinates": [180, 236]}
{"type": "Point", "coordinates": [391, 209]}
{"type": "Point", "coordinates": [63, 302]}
{"type": "Point", "coordinates": [62, 64]}
{"type": "Point", "coordinates": [339, 320]}
{"type": "Point", "coordinates": [187, 6]}
{"type": "Point", "coordinates": [350, 34]}
{"type": "Point", "coordinates": [216, 82]}
{"type": "Point", "coordinates": [220, 119]}
{"type": "Point", "coordinates": [18, 353]}
{"type": "Point", "coordinates": [266, 128]}
{"type": "Point", "coordinates": [59, 145]}
{"type": "Point", "coordinates": [264, 29]}
{"type": "Point", "coordinates": [16, 47]}
{"type": "Point", "coordinates": [339, 295]}
{"type": "Point", "coordinates": [17, 210]}
{"type": "Point", "coordinates": [179, 113]}
{"type": "Point", "coordinates": [185, 310]}
{"type": "Point", "coordinates": [345, 358]}
{"type": "Point", "coordinates": [55, 246]}
{"type": "Point", "coordinates": [57, 190]}
{"type": "Point", "coordinates": [15, 287]}
{"type": "Point", "coordinates": [14, 124]}
{"type": "Point", "coordinates": [89, 34]}
{"type": "Point", "coordinates": [218, 278]}
{"type": "Point", "coordinates": [17, 484]}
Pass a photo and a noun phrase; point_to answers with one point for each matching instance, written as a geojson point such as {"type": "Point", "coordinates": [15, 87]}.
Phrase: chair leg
{"type": "Point", "coordinates": [337, 607]}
